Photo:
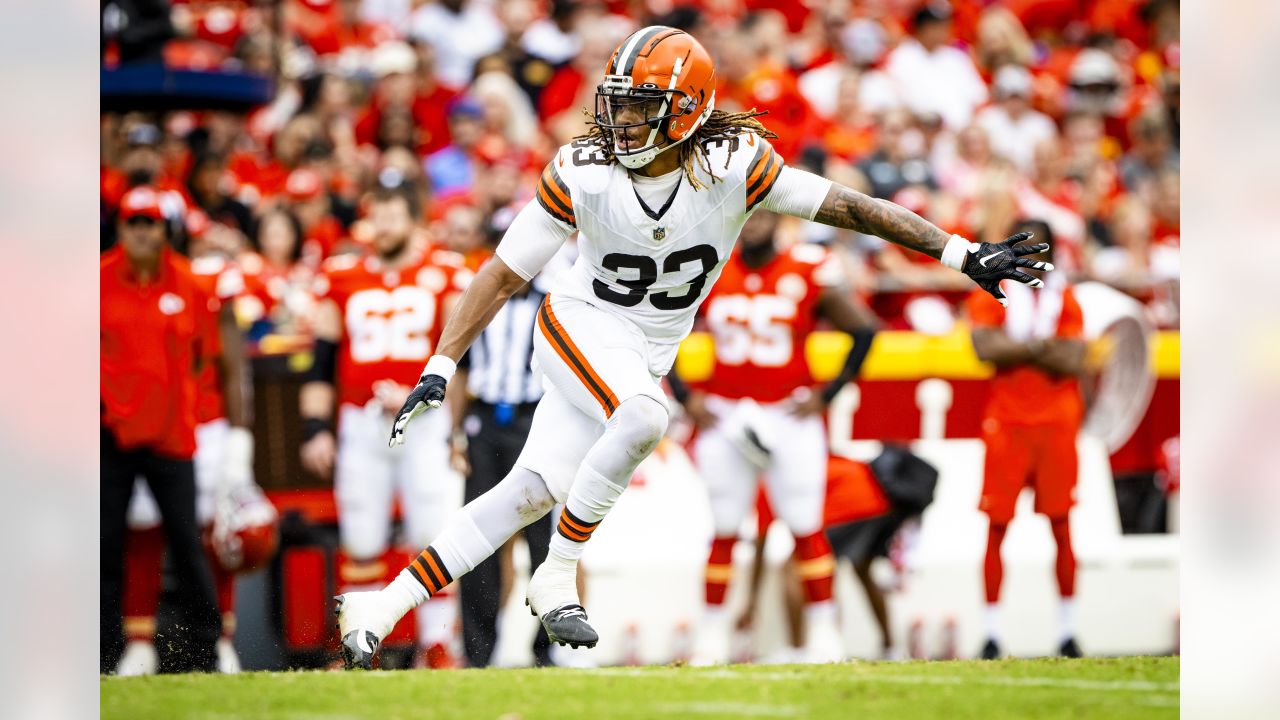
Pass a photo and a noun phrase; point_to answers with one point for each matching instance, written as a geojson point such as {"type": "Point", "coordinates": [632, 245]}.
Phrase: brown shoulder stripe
{"type": "Point", "coordinates": [553, 196]}
{"type": "Point", "coordinates": [761, 179]}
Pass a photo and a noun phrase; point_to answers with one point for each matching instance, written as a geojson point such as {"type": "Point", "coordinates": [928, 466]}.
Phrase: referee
{"type": "Point", "coordinates": [502, 392]}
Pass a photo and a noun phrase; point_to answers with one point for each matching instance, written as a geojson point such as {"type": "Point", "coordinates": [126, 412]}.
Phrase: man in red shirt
{"type": "Point", "coordinates": [155, 333]}
{"type": "Point", "coordinates": [227, 499]}
{"type": "Point", "coordinates": [378, 317]}
{"type": "Point", "coordinates": [759, 414]}
{"type": "Point", "coordinates": [1033, 415]}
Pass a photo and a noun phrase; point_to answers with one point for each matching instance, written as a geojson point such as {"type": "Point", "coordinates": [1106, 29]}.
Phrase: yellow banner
{"type": "Point", "coordinates": [905, 355]}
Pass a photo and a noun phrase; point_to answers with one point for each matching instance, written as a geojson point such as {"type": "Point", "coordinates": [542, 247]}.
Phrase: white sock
{"type": "Point", "coordinates": [405, 592]}
{"type": "Point", "coordinates": [992, 617]}
{"type": "Point", "coordinates": [820, 613]}
{"type": "Point", "coordinates": [715, 615]}
{"type": "Point", "coordinates": [1067, 618]}
{"type": "Point", "coordinates": [564, 551]}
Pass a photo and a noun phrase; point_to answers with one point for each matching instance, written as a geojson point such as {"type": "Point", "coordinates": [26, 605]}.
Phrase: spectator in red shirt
{"type": "Point", "coordinates": [406, 80]}
{"type": "Point", "coordinates": [308, 199]}
{"type": "Point", "coordinates": [155, 329]}
{"type": "Point", "coordinates": [262, 179]}
{"type": "Point", "coordinates": [752, 73]}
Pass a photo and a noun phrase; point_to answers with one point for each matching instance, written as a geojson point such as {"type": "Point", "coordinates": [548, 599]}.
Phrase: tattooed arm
{"type": "Point", "coordinates": [847, 208]}
{"type": "Point", "coordinates": [795, 192]}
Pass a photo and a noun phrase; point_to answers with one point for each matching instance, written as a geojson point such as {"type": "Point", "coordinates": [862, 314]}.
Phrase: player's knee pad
{"type": "Point", "coordinates": [528, 493]}
{"type": "Point", "coordinates": [641, 421]}
{"type": "Point", "coordinates": [519, 499]}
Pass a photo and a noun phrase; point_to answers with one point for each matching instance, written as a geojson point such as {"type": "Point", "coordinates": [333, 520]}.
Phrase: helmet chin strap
{"type": "Point", "coordinates": [635, 161]}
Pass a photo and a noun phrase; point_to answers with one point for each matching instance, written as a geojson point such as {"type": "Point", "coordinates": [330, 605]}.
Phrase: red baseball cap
{"type": "Point", "coordinates": [142, 200]}
{"type": "Point", "coordinates": [303, 185]}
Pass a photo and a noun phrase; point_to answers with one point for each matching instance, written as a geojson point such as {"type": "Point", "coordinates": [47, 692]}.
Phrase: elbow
{"type": "Point", "coordinates": [511, 284]}
{"type": "Point", "coordinates": [506, 282]}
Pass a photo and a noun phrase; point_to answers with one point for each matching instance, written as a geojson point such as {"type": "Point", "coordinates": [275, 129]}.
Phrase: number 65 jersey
{"type": "Point", "coordinates": [652, 266]}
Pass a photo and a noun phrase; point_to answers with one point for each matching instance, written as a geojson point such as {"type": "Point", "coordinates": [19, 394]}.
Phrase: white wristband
{"type": "Point", "coordinates": [955, 251]}
{"type": "Point", "coordinates": [442, 366]}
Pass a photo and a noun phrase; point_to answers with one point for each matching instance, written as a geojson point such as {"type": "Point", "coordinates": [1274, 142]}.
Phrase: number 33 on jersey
{"type": "Point", "coordinates": [653, 266]}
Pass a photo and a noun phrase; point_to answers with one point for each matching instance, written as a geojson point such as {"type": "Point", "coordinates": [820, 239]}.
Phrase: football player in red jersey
{"type": "Point", "coordinates": [378, 317]}
{"type": "Point", "coordinates": [759, 413]}
{"type": "Point", "coordinates": [226, 496]}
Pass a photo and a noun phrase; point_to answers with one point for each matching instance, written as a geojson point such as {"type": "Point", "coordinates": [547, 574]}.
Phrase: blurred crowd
{"type": "Point", "coordinates": [974, 113]}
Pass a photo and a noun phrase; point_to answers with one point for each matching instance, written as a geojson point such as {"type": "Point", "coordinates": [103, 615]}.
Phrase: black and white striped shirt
{"type": "Point", "coordinates": [499, 363]}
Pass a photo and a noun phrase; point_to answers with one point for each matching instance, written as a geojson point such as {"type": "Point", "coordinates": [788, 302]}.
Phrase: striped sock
{"type": "Point", "coordinates": [574, 528]}
{"type": "Point", "coordinates": [429, 570]}
{"type": "Point", "coordinates": [816, 566]}
{"type": "Point", "coordinates": [719, 569]}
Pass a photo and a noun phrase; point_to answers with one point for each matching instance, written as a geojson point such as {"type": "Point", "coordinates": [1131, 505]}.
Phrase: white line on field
{"type": "Point", "coordinates": [727, 708]}
{"type": "Point", "coordinates": [1068, 683]}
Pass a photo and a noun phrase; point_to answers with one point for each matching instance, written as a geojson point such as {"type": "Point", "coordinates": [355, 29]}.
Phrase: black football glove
{"type": "Point", "coordinates": [427, 394]}
{"type": "Point", "coordinates": [989, 263]}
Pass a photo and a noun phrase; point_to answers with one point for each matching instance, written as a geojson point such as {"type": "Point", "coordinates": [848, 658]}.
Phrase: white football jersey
{"type": "Point", "coordinates": [655, 271]}
{"type": "Point", "coordinates": [654, 267]}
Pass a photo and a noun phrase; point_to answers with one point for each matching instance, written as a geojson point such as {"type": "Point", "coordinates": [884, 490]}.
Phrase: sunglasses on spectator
{"type": "Point", "coordinates": [141, 220]}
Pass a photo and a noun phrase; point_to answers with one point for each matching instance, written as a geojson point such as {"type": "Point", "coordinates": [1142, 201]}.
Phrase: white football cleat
{"type": "Point", "coordinates": [364, 618]}
{"type": "Point", "coordinates": [713, 645]}
{"type": "Point", "coordinates": [139, 658]}
{"type": "Point", "coordinates": [228, 658]}
{"type": "Point", "coordinates": [823, 643]}
{"type": "Point", "coordinates": [552, 597]}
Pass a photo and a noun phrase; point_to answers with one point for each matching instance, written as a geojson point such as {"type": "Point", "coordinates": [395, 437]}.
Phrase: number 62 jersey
{"type": "Point", "coordinates": [651, 266]}
{"type": "Point", "coordinates": [391, 319]}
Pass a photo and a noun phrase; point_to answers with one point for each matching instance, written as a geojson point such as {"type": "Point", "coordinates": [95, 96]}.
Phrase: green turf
{"type": "Point", "coordinates": [1138, 687]}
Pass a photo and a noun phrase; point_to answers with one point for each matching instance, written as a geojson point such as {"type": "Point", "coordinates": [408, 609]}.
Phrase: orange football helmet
{"type": "Point", "coordinates": [659, 78]}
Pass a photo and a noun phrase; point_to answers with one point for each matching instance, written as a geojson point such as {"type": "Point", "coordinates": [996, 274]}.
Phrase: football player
{"type": "Point", "coordinates": [377, 318]}
{"type": "Point", "coordinates": [658, 191]}
{"type": "Point", "coordinates": [759, 413]}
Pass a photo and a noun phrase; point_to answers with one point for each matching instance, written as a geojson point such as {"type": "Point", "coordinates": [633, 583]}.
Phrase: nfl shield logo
{"type": "Point", "coordinates": [659, 233]}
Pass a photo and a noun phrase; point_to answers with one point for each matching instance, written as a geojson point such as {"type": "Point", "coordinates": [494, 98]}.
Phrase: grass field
{"type": "Point", "coordinates": [1137, 687]}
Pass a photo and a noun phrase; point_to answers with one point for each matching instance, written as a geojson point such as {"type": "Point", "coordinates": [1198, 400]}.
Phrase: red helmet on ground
{"type": "Point", "coordinates": [246, 530]}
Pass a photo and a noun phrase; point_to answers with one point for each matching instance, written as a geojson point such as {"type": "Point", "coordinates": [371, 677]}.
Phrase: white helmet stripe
{"type": "Point", "coordinates": [627, 56]}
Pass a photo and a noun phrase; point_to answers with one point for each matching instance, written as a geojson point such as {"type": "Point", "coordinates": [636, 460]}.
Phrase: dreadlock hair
{"type": "Point", "coordinates": [721, 126]}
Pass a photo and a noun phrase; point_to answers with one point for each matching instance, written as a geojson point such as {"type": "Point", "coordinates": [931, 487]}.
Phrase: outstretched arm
{"type": "Point", "coordinates": [847, 208]}
{"type": "Point", "coordinates": [985, 263]}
